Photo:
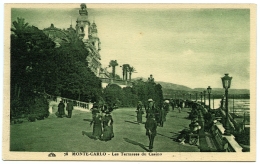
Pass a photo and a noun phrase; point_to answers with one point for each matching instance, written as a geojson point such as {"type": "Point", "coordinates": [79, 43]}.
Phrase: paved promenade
{"type": "Point", "coordinates": [65, 134]}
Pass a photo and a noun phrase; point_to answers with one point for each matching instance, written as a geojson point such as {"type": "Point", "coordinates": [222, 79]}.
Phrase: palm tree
{"type": "Point", "coordinates": [125, 70]}
{"type": "Point", "coordinates": [131, 70]}
{"type": "Point", "coordinates": [113, 64]}
{"type": "Point", "coordinates": [19, 27]}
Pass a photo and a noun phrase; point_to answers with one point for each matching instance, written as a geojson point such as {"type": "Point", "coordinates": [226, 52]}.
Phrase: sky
{"type": "Point", "coordinates": [187, 46]}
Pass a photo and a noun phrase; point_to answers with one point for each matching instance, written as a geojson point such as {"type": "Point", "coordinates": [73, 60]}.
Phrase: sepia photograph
{"type": "Point", "coordinates": [129, 82]}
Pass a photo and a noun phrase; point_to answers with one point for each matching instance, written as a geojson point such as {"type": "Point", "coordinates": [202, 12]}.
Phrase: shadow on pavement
{"type": "Point", "coordinates": [175, 136]}
{"type": "Point", "coordinates": [86, 119]}
{"type": "Point", "coordinates": [164, 136]}
{"type": "Point", "coordinates": [136, 143]}
{"type": "Point", "coordinates": [131, 115]}
{"type": "Point", "coordinates": [88, 134]}
{"type": "Point", "coordinates": [131, 122]}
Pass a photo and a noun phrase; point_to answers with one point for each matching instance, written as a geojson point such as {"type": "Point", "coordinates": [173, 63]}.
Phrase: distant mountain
{"type": "Point", "coordinates": [170, 89]}
{"type": "Point", "coordinates": [166, 85]}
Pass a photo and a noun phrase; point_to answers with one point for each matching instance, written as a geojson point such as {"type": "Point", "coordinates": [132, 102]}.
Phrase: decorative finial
{"type": "Point", "coordinates": [83, 6]}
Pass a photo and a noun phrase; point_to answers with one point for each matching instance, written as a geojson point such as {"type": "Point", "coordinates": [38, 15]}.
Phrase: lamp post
{"type": "Point", "coordinates": [226, 81]}
{"type": "Point", "coordinates": [213, 101]}
{"type": "Point", "coordinates": [201, 97]}
{"type": "Point", "coordinates": [233, 107]}
{"type": "Point", "coordinates": [196, 96]}
{"type": "Point", "coordinates": [209, 91]}
{"type": "Point", "coordinates": [204, 97]}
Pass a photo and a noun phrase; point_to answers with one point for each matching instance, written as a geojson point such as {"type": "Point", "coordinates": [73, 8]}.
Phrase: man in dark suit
{"type": "Point", "coordinates": [151, 127]}
{"type": "Point", "coordinates": [61, 107]}
{"type": "Point", "coordinates": [70, 108]}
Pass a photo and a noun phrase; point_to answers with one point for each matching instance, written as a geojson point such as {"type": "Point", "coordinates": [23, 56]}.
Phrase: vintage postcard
{"type": "Point", "coordinates": [129, 82]}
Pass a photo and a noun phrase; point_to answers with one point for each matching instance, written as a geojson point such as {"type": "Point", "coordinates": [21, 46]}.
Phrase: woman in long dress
{"type": "Point", "coordinates": [139, 112]}
{"type": "Point", "coordinates": [97, 125]}
{"type": "Point", "coordinates": [108, 127]}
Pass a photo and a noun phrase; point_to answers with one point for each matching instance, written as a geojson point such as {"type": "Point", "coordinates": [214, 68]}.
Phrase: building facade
{"type": "Point", "coordinates": [88, 33]}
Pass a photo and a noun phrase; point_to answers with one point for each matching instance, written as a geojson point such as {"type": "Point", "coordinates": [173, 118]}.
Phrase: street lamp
{"type": "Point", "coordinates": [204, 97]}
{"type": "Point", "coordinates": [209, 91]}
{"type": "Point", "coordinates": [213, 101]}
{"type": "Point", "coordinates": [226, 81]}
{"type": "Point", "coordinates": [201, 97]}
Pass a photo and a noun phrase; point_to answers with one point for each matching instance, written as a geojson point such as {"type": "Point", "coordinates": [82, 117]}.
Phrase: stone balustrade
{"type": "Point", "coordinates": [215, 135]}
{"type": "Point", "coordinates": [225, 143]}
{"type": "Point", "coordinates": [78, 105]}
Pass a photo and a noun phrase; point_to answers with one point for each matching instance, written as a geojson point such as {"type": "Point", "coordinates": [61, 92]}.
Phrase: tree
{"type": "Point", "coordinates": [19, 27]}
{"type": "Point", "coordinates": [113, 95]}
{"type": "Point", "coordinates": [146, 90]}
{"type": "Point", "coordinates": [30, 51]}
{"type": "Point", "coordinates": [29, 48]}
{"type": "Point", "coordinates": [131, 70]}
{"type": "Point", "coordinates": [125, 70]}
{"type": "Point", "coordinates": [71, 77]}
{"type": "Point", "coordinates": [113, 64]}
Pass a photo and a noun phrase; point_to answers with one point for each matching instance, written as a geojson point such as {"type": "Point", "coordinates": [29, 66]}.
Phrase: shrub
{"type": "Point", "coordinates": [18, 108]}
{"type": "Point", "coordinates": [39, 107]}
{"type": "Point", "coordinates": [32, 117]}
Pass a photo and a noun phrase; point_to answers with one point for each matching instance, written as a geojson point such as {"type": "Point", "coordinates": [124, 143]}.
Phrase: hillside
{"type": "Point", "coordinates": [166, 85]}
{"type": "Point", "coordinates": [170, 89]}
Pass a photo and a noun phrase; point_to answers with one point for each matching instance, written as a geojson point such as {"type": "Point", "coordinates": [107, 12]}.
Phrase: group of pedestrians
{"type": "Point", "coordinates": [61, 109]}
{"type": "Point", "coordinates": [102, 122]}
{"type": "Point", "coordinates": [155, 116]}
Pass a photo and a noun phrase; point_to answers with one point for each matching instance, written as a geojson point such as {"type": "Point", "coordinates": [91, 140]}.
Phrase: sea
{"type": "Point", "coordinates": [237, 106]}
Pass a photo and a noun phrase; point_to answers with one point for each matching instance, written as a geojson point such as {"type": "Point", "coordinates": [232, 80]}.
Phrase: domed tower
{"type": "Point", "coordinates": [94, 39]}
{"type": "Point", "coordinates": [83, 23]}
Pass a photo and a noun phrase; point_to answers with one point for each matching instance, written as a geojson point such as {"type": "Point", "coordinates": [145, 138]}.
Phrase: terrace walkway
{"type": "Point", "coordinates": [63, 134]}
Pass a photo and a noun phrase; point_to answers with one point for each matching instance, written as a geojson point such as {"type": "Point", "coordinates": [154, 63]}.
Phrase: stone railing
{"type": "Point", "coordinates": [120, 82]}
{"type": "Point", "coordinates": [224, 142]}
{"type": "Point", "coordinates": [213, 139]}
{"type": "Point", "coordinates": [78, 105]}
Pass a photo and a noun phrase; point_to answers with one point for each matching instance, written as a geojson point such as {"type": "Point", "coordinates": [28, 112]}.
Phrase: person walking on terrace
{"type": "Point", "coordinates": [97, 125]}
{"type": "Point", "coordinates": [162, 116]}
{"type": "Point", "coordinates": [70, 107]}
{"type": "Point", "coordinates": [108, 121]}
{"type": "Point", "coordinates": [151, 126]}
{"type": "Point", "coordinates": [139, 112]}
{"type": "Point", "coordinates": [150, 108]}
{"type": "Point", "coordinates": [61, 107]}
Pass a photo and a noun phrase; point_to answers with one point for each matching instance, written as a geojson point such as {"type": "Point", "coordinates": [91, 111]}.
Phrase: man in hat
{"type": "Point", "coordinates": [151, 108]}
{"type": "Point", "coordinates": [151, 127]}
{"type": "Point", "coordinates": [70, 107]}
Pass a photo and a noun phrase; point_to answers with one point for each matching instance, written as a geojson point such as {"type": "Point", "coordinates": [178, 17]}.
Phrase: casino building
{"type": "Point", "coordinates": [88, 33]}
